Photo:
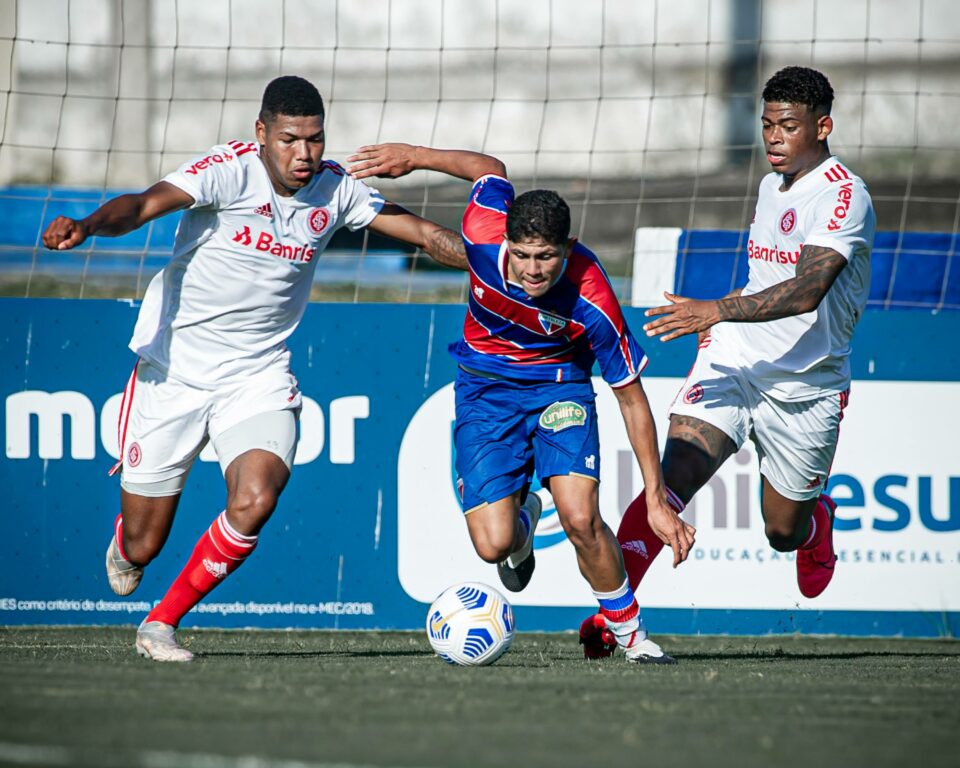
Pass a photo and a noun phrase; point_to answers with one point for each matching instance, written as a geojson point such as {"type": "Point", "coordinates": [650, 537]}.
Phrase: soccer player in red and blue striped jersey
{"type": "Point", "coordinates": [541, 313]}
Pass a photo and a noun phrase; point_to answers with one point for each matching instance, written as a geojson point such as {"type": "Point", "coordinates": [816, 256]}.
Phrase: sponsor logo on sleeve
{"type": "Point", "coordinates": [207, 162]}
{"type": "Point", "coordinates": [844, 196]}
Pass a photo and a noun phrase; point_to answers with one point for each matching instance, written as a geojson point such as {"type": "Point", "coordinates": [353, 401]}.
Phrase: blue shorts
{"type": "Point", "coordinates": [505, 431]}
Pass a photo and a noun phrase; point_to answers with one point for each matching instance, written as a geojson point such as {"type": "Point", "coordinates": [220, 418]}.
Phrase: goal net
{"type": "Point", "coordinates": [642, 114]}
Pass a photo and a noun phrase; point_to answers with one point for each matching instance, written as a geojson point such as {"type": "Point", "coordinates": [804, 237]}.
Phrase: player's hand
{"type": "Point", "coordinates": [670, 529]}
{"type": "Point", "coordinates": [681, 317]}
{"type": "Point", "coordinates": [389, 161]}
{"type": "Point", "coordinates": [64, 233]}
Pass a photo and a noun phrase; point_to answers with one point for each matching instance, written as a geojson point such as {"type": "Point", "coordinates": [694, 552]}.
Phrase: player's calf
{"type": "Point", "coordinates": [516, 571]}
{"type": "Point", "coordinates": [122, 575]}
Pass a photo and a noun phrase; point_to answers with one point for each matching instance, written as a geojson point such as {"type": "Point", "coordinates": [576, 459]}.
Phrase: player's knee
{"type": "Point", "coordinates": [140, 548]}
{"type": "Point", "coordinates": [782, 537]}
{"type": "Point", "coordinates": [493, 546]}
{"type": "Point", "coordinates": [250, 508]}
{"type": "Point", "coordinates": [582, 526]}
{"type": "Point", "coordinates": [686, 468]}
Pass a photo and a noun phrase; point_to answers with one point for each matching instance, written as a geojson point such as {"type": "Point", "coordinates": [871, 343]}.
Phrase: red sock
{"type": "Point", "coordinates": [640, 545]}
{"type": "Point", "coordinates": [819, 525]}
{"type": "Point", "coordinates": [219, 552]}
{"type": "Point", "coordinates": [118, 531]}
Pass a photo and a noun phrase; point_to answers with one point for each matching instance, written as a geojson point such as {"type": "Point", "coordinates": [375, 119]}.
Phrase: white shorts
{"type": "Point", "coordinates": [164, 424]}
{"type": "Point", "coordinates": [795, 441]}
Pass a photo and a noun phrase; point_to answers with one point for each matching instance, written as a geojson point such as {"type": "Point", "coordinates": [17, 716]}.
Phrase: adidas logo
{"type": "Point", "coordinates": [264, 210]}
{"type": "Point", "coordinates": [217, 570]}
{"type": "Point", "coordinates": [637, 546]}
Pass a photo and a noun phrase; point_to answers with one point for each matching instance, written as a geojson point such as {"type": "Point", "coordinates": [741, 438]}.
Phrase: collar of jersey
{"type": "Point", "coordinates": [803, 180]}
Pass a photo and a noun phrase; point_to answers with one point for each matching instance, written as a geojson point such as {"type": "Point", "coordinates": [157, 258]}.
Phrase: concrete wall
{"type": "Point", "coordinates": [116, 92]}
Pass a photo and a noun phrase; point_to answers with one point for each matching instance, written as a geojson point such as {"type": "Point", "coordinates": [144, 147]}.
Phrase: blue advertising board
{"type": "Point", "coordinates": [368, 529]}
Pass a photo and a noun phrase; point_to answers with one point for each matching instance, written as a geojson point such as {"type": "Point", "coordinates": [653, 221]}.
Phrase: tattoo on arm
{"type": "Point", "coordinates": [446, 247]}
{"type": "Point", "coordinates": [817, 268]}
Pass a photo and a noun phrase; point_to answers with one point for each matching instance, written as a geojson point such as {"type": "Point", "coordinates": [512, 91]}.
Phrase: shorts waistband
{"type": "Point", "coordinates": [497, 376]}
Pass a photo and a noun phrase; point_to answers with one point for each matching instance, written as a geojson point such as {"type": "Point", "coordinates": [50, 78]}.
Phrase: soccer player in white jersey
{"type": "Point", "coordinates": [773, 360]}
{"type": "Point", "coordinates": [213, 363]}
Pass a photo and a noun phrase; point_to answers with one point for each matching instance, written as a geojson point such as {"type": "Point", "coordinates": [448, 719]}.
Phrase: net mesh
{"type": "Point", "coordinates": [640, 114]}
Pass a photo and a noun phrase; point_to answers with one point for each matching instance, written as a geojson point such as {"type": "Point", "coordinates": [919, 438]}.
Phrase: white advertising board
{"type": "Point", "coordinates": [896, 477]}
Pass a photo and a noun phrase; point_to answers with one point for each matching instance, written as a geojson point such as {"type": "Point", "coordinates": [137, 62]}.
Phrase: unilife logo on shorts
{"type": "Point", "coordinates": [563, 415]}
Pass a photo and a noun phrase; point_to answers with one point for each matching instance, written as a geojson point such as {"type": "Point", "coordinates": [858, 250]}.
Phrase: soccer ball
{"type": "Point", "coordinates": [470, 624]}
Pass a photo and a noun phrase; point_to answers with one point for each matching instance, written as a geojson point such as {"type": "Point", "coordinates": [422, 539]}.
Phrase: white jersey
{"type": "Point", "coordinates": [242, 266]}
{"type": "Point", "coordinates": [805, 356]}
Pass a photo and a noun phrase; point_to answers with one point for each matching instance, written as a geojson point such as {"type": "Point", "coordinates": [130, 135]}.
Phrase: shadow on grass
{"type": "Point", "coordinates": [778, 655]}
{"type": "Point", "coordinates": [312, 654]}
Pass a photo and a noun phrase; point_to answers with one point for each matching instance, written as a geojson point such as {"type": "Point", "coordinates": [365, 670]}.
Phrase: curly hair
{"type": "Point", "coordinates": [292, 96]}
{"type": "Point", "coordinates": [539, 213]}
{"type": "Point", "coordinates": [800, 85]}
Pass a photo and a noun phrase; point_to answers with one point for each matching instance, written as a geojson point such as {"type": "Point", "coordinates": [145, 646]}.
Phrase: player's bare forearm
{"type": "Point", "coordinates": [446, 247]}
{"type": "Point", "coordinates": [642, 433]}
{"type": "Point", "coordinates": [443, 245]}
{"type": "Point", "coordinates": [817, 268]}
{"type": "Point", "coordinates": [395, 159]}
{"type": "Point", "coordinates": [117, 216]}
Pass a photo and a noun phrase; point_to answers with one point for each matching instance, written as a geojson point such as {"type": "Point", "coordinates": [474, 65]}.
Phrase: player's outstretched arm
{"type": "Point", "coordinates": [817, 269]}
{"type": "Point", "coordinates": [394, 160]}
{"type": "Point", "coordinates": [117, 216]}
{"type": "Point", "coordinates": [642, 431]}
{"type": "Point", "coordinates": [442, 245]}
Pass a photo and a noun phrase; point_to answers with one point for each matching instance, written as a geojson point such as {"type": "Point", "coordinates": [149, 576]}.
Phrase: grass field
{"type": "Point", "coordinates": [81, 696]}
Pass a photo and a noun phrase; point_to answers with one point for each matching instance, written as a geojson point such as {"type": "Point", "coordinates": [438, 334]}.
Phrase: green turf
{"type": "Point", "coordinates": [307, 699]}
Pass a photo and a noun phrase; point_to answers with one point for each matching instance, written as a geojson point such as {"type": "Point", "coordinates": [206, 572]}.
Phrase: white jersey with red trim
{"type": "Point", "coordinates": [805, 356]}
{"type": "Point", "coordinates": [242, 266]}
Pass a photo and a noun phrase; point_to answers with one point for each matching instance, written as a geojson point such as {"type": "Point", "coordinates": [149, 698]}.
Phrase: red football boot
{"type": "Point", "coordinates": [815, 565]}
{"type": "Point", "coordinates": [598, 642]}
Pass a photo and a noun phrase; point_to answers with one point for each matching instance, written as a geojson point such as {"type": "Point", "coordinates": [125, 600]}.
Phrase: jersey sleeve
{"type": "Point", "coordinates": [620, 357]}
{"type": "Point", "coordinates": [214, 179]}
{"type": "Point", "coordinates": [359, 202]}
{"type": "Point", "coordinates": [842, 219]}
{"type": "Point", "coordinates": [485, 219]}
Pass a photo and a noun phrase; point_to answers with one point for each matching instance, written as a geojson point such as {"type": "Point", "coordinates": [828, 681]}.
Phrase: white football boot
{"type": "Point", "coordinates": [123, 576]}
{"type": "Point", "coordinates": [157, 641]}
{"type": "Point", "coordinates": [647, 652]}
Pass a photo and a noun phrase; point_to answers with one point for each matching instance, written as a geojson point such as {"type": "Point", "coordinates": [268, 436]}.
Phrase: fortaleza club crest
{"type": "Point", "coordinates": [551, 323]}
{"type": "Point", "coordinates": [563, 415]}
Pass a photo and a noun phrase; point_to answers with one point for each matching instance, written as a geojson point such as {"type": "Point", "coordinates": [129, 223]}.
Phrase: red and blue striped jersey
{"type": "Point", "coordinates": [556, 337]}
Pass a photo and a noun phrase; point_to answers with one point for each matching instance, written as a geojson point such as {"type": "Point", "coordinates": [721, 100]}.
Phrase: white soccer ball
{"type": "Point", "coordinates": [470, 624]}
